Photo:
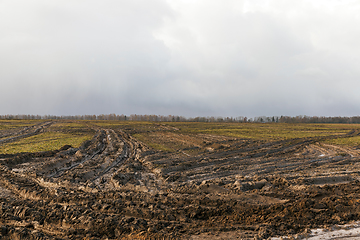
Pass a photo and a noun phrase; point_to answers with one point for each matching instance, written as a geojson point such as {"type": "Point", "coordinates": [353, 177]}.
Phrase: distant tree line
{"type": "Point", "coordinates": [173, 118]}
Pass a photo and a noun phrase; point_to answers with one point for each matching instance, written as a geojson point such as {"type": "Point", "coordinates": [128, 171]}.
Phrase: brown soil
{"type": "Point", "coordinates": [116, 187]}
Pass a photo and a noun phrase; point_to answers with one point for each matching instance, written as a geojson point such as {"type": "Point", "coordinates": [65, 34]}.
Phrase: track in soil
{"type": "Point", "coordinates": [116, 187]}
{"type": "Point", "coordinates": [15, 134]}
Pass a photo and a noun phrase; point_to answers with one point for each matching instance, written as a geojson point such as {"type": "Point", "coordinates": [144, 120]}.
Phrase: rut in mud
{"type": "Point", "coordinates": [114, 186]}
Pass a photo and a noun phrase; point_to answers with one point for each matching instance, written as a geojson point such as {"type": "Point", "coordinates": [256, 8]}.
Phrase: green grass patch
{"type": "Point", "coordinates": [351, 141]}
{"type": "Point", "coordinates": [265, 131]}
{"type": "Point", "coordinates": [44, 142]}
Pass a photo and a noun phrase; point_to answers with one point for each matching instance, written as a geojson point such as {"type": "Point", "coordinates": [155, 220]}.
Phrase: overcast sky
{"type": "Point", "coordinates": [180, 57]}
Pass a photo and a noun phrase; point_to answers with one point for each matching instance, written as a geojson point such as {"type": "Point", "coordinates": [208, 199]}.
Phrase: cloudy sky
{"type": "Point", "coordinates": [181, 57]}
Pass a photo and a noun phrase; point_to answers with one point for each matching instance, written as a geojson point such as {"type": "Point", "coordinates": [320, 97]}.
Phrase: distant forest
{"type": "Point", "coordinates": [172, 118]}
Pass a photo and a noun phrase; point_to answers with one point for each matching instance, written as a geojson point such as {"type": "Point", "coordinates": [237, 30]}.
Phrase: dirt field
{"type": "Point", "coordinates": [178, 181]}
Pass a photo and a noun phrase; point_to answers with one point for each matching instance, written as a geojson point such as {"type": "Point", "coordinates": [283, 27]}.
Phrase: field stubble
{"type": "Point", "coordinates": [135, 180]}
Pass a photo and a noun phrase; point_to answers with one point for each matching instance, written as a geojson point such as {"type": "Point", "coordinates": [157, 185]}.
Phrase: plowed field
{"type": "Point", "coordinates": [143, 180]}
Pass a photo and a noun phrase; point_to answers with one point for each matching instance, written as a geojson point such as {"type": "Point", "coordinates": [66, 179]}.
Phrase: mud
{"type": "Point", "coordinates": [116, 187]}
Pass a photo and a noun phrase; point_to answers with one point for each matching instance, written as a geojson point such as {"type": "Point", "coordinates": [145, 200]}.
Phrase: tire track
{"type": "Point", "coordinates": [26, 132]}
{"type": "Point", "coordinates": [115, 187]}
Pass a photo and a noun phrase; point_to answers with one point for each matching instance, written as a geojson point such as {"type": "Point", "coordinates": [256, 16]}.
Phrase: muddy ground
{"type": "Point", "coordinates": [116, 187]}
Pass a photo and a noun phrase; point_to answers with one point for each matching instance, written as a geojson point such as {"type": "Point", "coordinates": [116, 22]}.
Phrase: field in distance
{"type": "Point", "coordinates": [126, 179]}
{"type": "Point", "coordinates": [187, 136]}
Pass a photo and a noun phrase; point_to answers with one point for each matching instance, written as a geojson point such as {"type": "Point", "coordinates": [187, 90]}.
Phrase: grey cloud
{"type": "Point", "coordinates": [187, 58]}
